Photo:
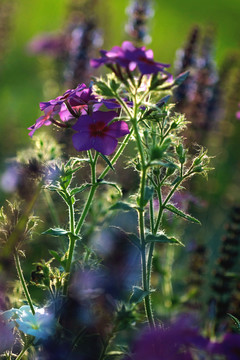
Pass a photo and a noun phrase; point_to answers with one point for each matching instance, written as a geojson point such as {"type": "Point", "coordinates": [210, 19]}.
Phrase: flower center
{"type": "Point", "coordinates": [98, 129]}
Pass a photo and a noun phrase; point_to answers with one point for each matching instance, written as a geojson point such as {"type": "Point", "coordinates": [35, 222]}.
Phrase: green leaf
{"type": "Point", "coordinates": [79, 189]}
{"type": "Point", "coordinates": [161, 163]}
{"type": "Point", "coordinates": [180, 213]}
{"type": "Point", "coordinates": [107, 161]}
{"type": "Point", "coordinates": [237, 322]}
{"type": "Point", "coordinates": [114, 85]}
{"type": "Point", "coordinates": [181, 78]}
{"type": "Point", "coordinates": [138, 295]}
{"type": "Point", "coordinates": [103, 182]}
{"type": "Point", "coordinates": [104, 89]}
{"type": "Point", "coordinates": [120, 205]}
{"type": "Point", "coordinates": [163, 239]}
{"type": "Point", "coordinates": [60, 232]}
{"type": "Point", "coordinates": [178, 179]}
{"type": "Point", "coordinates": [55, 232]}
{"type": "Point", "coordinates": [148, 193]}
{"type": "Point", "coordinates": [55, 255]}
{"type": "Point", "coordinates": [134, 239]}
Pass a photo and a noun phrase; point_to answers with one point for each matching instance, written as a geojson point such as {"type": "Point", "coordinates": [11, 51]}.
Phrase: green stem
{"type": "Point", "coordinates": [23, 282]}
{"type": "Point", "coordinates": [145, 276]}
{"type": "Point", "coordinates": [23, 350]}
{"type": "Point", "coordinates": [90, 196]}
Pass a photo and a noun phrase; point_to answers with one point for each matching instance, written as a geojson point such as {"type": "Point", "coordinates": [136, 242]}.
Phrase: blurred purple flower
{"type": "Point", "coordinates": [173, 343]}
{"type": "Point", "coordinates": [230, 347]}
{"type": "Point", "coordinates": [47, 44]}
{"type": "Point", "coordinates": [238, 113]}
{"type": "Point", "coordinates": [130, 57]}
{"type": "Point", "coordinates": [6, 334]}
{"type": "Point", "coordinates": [93, 132]}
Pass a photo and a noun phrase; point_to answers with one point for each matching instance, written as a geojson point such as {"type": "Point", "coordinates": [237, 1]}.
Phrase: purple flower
{"type": "Point", "coordinates": [230, 347]}
{"type": "Point", "coordinates": [79, 99]}
{"type": "Point", "coordinates": [7, 337]}
{"type": "Point", "coordinates": [238, 113]}
{"type": "Point", "coordinates": [93, 132]}
{"type": "Point", "coordinates": [130, 57]}
{"type": "Point", "coordinates": [48, 44]}
{"type": "Point", "coordinates": [42, 120]}
{"type": "Point", "coordinates": [173, 343]}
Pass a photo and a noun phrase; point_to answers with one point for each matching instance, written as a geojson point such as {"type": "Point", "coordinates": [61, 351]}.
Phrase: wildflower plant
{"type": "Point", "coordinates": [130, 105]}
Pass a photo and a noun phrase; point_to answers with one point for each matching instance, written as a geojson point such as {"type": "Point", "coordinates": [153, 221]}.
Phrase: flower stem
{"type": "Point", "coordinates": [23, 282]}
{"type": "Point", "coordinates": [141, 201]}
{"type": "Point", "coordinates": [27, 346]}
{"type": "Point", "coordinates": [90, 195]}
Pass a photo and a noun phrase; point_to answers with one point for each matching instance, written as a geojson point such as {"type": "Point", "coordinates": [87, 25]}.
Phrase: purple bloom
{"type": "Point", "coordinates": [230, 347]}
{"type": "Point", "coordinates": [7, 337]}
{"type": "Point", "coordinates": [130, 57]}
{"type": "Point", "coordinates": [93, 132]}
{"type": "Point", "coordinates": [48, 44]}
{"type": "Point", "coordinates": [238, 113]}
{"type": "Point", "coordinates": [42, 120]}
{"type": "Point", "coordinates": [174, 343]}
{"type": "Point", "coordinates": [79, 99]}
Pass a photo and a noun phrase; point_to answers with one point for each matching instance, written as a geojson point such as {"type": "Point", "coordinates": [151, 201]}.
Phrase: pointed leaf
{"type": "Point", "coordinates": [103, 182]}
{"type": "Point", "coordinates": [148, 193]}
{"type": "Point", "coordinates": [55, 232]}
{"type": "Point", "coordinates": [161, 163]}
{"type": "Point", "coordinates": [134, 239]}
{"type": "Point", "coordinates": [163, 239]}
{"type": "Point", "coordinates": [60, 232]}
{"type": "Point", "coordinates": [237, 322]}
{"type": "Point", "coordinates": [79, 189]}
{"type": "Point", "coordinates": [181, 78]}
{"type": "Point", "coordinates": [138, 295]}
{"type": "Point", "coordinates": [55, 255]}
{"type": "Point", "coordinates": [107, 161]}
{"type": "Point", "coordinates": [120, 205]}
{"type": "Point", "coordinates": [180, 213]}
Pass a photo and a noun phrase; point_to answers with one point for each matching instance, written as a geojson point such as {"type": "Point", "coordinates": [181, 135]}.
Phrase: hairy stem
{"type": "Point", "coordinates": [23, 282]}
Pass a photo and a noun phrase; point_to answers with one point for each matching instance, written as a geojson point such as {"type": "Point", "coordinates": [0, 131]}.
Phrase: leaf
{"type": "Point", "coordinates": [163, 239]}
{"type": "Point", "coordinates": [79, 189]}
{"type": "Point", "coordinates": [103, 182]}
{"type": "Point", "coordinates": [55, 232]}
{"type": "Point", "coordinates": [120, 205]}
{"type": "Point", "coordinates": [181, 78]}
{"type": "Point", "coordinates": [237, 322]}
{"type": "Point", "coordinates": [104, 89]}
{"type": "Point", "coordinates": [161, 163]}
{"type": "Point", "coordinates": [138, 295]}
{"type": "Point", "coordinates": [107, 161]}
{"type": "Point", "coordinates": [180, 213]}
{"type": "Point", "coordinates": [55, 255]}
{"type": "Point", "coordinates": [60, 232]}
{"type": "Point", "coordinates": [134, 239]}
{"type": "Point", "coordinates": [148, 193]}
{"type": "Point", "coordinates": [114, 85]}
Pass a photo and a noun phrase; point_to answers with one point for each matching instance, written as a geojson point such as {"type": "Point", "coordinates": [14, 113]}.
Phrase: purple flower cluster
{"type": "Point", "coordinates": [173, 343]}
{"type": "Point", "coordinates": [183, 341]}
{"type": "Point", "coordinates": [92, 126]}
{"type": "Point", "coordinates": [130, 57]}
